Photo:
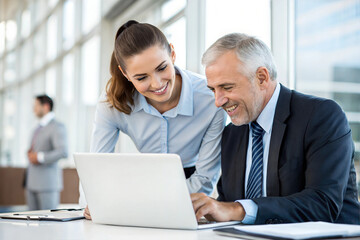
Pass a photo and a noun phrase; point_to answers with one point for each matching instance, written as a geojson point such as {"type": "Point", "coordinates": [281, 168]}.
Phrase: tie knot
{"type": "Point", "coordinates": [256, 129]}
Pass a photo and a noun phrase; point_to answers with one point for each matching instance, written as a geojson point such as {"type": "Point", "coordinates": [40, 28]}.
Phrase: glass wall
{"type": "Point", "coordinates": [327, 56]}
{"type": "Point", "coordinates": [63, 49]}
{"type": "Point", "coordinates": [174, 26]}
{"type": "Point", "coordinates": [249, 17]}
{"type": "Point", "coordinates": [50, 47]}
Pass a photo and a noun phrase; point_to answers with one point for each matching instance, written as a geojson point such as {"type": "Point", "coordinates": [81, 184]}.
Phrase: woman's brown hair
{"type": "Point", "coordinates": [132, 38]}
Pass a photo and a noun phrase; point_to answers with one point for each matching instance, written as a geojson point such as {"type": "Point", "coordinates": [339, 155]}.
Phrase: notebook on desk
{"type": "Point", "coordinates": [298, 231]}
{"type": "Point", "coordinates": [46, 215]}
{"type": "Point", "coordinates": [143, 190]}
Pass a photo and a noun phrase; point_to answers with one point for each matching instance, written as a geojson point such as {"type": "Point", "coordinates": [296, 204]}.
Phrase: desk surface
{"type": "Point", "coordinates": [85, 229]}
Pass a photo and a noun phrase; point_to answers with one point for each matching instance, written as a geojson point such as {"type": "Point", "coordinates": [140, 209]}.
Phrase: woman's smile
{"type": "Point", "coordinates": [162, 90]}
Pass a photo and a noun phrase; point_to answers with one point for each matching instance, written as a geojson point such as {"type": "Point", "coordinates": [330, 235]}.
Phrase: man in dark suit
{"type": "Point", "coordinates": [286, 157]}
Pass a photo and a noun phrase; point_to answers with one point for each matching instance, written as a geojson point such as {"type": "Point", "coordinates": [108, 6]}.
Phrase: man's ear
{"type": "Point", "coordinates": [46, 106]}
{"type": "Point", "coordinates": [123, 73]}
{"type": "Point", "coordinates": [173, 54]}
{"type": "Point", "coordinates": [263, 76]}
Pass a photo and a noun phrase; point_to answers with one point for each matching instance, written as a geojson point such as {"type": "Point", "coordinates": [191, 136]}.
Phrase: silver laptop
{"type": "Point", "coordinates": [144, 190]}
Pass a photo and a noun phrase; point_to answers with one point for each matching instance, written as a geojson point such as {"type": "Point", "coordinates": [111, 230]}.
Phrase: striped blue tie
{"type": "Point", "coordinates": [255, 180]}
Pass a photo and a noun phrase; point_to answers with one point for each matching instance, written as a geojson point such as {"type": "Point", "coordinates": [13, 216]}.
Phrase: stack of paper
{"type": "Point", "coordinates": [304, 230]}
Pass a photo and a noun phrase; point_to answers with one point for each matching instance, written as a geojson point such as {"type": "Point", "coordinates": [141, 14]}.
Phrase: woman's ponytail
{"type": "Point", "coordinates": [119, 90]}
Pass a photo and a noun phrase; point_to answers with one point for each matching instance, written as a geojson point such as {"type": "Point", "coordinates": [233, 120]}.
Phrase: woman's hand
{"type": "Point", "coordinates": [87, 213]}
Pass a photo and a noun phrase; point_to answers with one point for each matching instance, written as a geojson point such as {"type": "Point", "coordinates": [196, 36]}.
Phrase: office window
{"type": "Point", "coordinates": [9, 117]}
{"type": "Point", "coordinates": [68, 24]}
{"type": "Point", "coordinates": [1, 78]}
{"type": "Point", "coordinates": [37, 46]}
{"type": "Point", "coordinates": [52, 3]}
{"type": "Point", "coordinates": [90, 55]}
{"type": "Point", "coordinates": [171, 8]}
{"type": "Point", "coordinates": [327, 55]}
{"type": "Point", "coordinates": [38, 84]}
{"type": "Point", "coordinates": [227, 16]}
{"type": "Point", "coordinates": [51, 38]}
{"type": "Point", "coordinates": [176, 34]}
{"type": "Point", "coordinates": [39, 50]}
{"type": "Point", "coordinates": [26, 59]}
{"type": "Point", "coordinates": [50, 87]}
{"type": "Point", "coordinates": [40, 7]}
{"type": "Point", "coordinates": [25, 23]}
{"type": "Point", "coordinates": [173, 24]}
{"type": "Point", "coordinates": [68, 79]}
{"type": "Point", "coordinates": [26, 123]}
{"type": "Point", "coordinates": [2, 37]}
{"type": "Point", "coordinates": [66, 106]}
{"type": "Point", "coordinates": [11, 33]}
{"type": "Point", "coordinates": [10, 70]}
{"type": "Point", "coordinates": [90, 15]}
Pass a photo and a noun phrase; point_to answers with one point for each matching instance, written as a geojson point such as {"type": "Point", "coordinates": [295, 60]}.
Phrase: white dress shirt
{"type": "Point", "coordinates": [265, 120]}
{"type": "Point", "coordinates": [44, 121]}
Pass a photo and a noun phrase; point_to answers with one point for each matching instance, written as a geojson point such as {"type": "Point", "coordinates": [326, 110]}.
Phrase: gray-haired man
{"type": "Point", "coordinates": [286, 157]}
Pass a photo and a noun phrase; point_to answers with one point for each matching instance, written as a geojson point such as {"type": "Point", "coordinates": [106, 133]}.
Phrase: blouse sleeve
{"type": "Point", "coordinates": [105, 130]}
{"type": "Point", "coordinates": [207, 166]}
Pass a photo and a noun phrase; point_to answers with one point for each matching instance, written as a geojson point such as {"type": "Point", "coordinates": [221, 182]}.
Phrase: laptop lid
{"type": "Point", "coordinates": [146, 190]}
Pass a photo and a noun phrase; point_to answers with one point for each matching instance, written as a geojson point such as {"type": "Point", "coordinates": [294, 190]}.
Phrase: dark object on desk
{"type": "Point", "coordinates": [66, 209]}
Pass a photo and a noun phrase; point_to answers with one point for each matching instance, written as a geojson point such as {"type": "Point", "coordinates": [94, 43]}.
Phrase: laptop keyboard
{"type": "Point", "coordinates": [203, 221]}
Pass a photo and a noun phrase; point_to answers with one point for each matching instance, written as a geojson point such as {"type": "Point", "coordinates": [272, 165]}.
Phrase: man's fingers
{"type": "Point", "coordinates": [203, 211]}
{"type": "Point", "coordinates": [196, 196]}
{"type": "Point", "coordinates": [87, 213]}
{"type": "Point", "coordinates": [87, 216]}
{"type": "Point", "coordinates": [199, 202]}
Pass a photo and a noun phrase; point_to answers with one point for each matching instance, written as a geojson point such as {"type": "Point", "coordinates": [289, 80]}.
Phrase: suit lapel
{"type": "Point", "coordinates": [241, 162]}
{"type": "Point", "coordinates": [282, 112]}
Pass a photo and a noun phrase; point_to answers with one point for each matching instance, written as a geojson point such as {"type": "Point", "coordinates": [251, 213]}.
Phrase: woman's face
{"type": "Point", "coordinates": [153, 74]}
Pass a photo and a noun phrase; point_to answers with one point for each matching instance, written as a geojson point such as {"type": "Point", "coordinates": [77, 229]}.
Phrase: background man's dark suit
{"type": "Point", "coordinates": [310, 164]}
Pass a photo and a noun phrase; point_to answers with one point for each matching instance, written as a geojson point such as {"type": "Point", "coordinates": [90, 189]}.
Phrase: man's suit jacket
{"type": "Point", "coordinates": [310, 175]}
{"type": "Point", "coordinates": [47, 176]}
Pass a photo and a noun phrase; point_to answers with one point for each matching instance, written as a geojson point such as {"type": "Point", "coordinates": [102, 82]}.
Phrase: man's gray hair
{"type": "Point", "coordinates": [252, 53]}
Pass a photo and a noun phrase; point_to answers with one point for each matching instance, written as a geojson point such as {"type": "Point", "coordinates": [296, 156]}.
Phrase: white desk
{"type": "Point", "coordinates": [85, 229]}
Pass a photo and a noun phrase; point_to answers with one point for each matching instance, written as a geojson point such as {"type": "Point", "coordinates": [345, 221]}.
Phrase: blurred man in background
{"type": "Point", "coordinates": [48, 145]}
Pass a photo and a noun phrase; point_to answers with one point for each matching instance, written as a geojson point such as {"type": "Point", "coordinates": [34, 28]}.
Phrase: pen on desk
{"type": "Point", "coordinates": [66, 209]}
{"type": "Point", "coordinates": [30, 214]}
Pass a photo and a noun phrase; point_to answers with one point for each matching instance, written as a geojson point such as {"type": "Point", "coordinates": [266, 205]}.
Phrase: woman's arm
{"type": "Point", "coordinates": [205, 177]}
{"type": "Point", "coordinates": [105, 131]}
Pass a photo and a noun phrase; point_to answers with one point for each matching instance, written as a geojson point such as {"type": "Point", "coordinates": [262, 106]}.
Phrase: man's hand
{"type": "Point", "coordinates": [32, 156]}
{"type": "Point", "coordinates": [87, 213]}
{"type": "Point", "coordinates": [216, 211]}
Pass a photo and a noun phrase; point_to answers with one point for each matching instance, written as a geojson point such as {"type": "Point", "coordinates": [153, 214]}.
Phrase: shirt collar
{"type": "Point", "coordinates": [266, 117]}
{"type": "Point", "coordinates": [46, 119]}
{"type": "Point", "coordinates": [184, 107]}
{"type": "Point", "coordinates": [139, 103]}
